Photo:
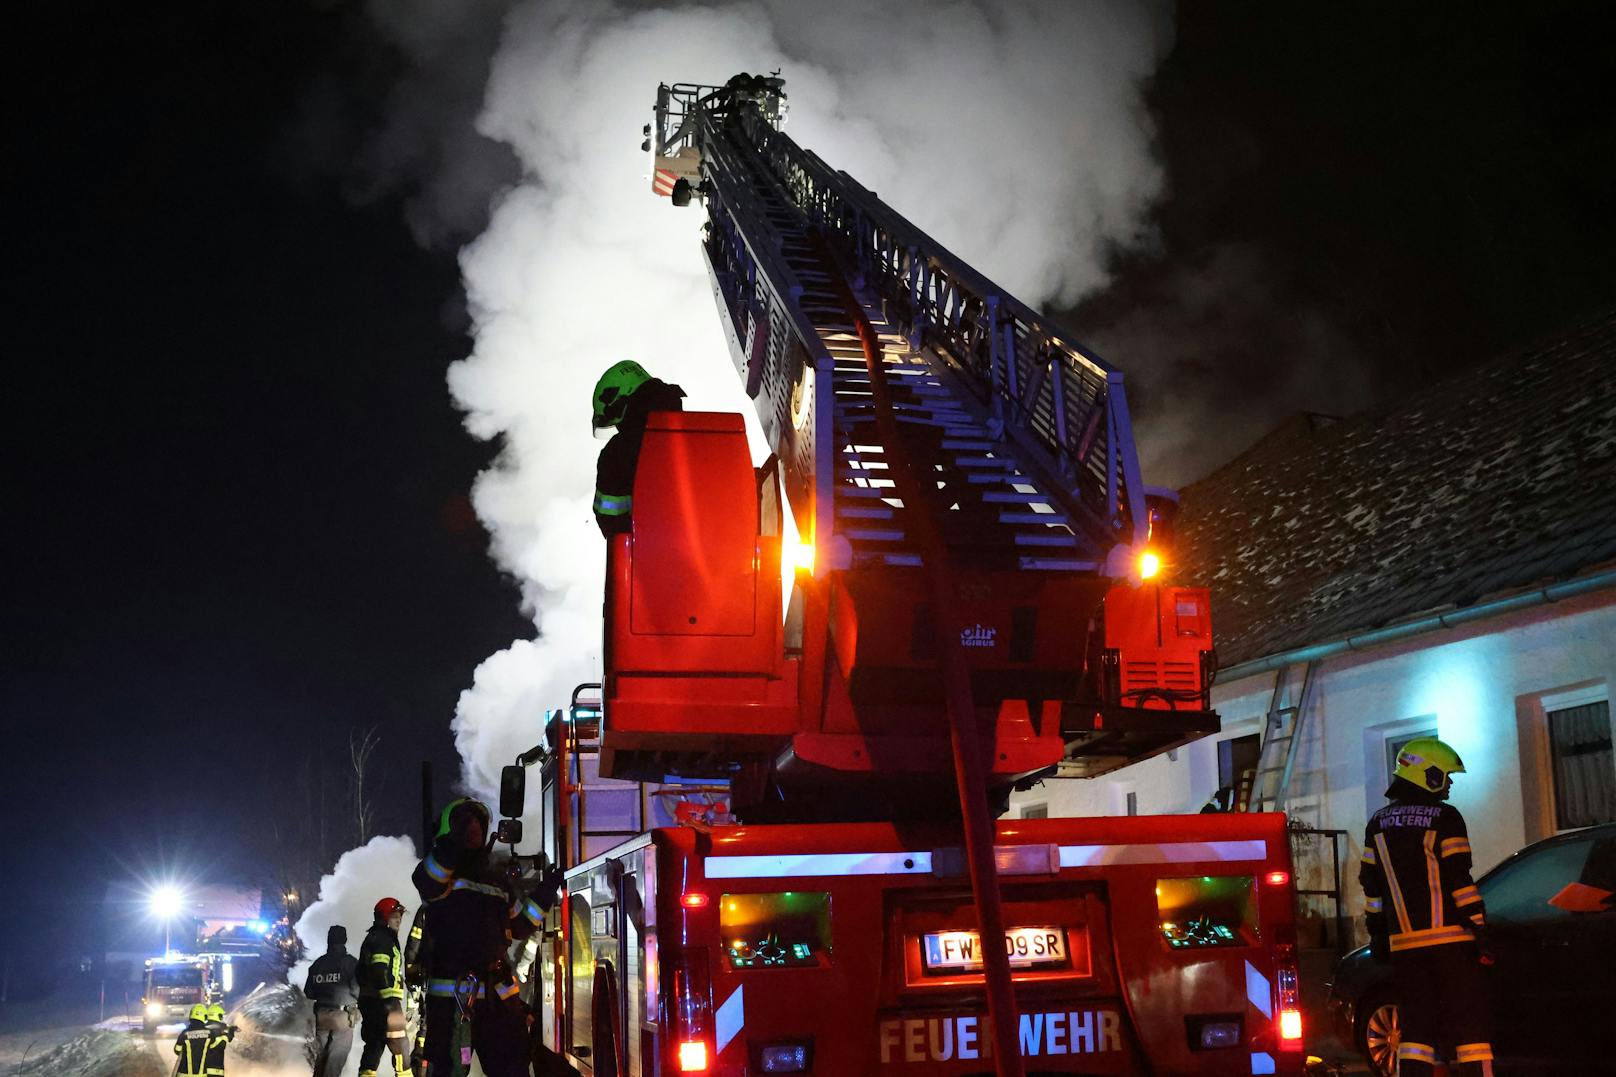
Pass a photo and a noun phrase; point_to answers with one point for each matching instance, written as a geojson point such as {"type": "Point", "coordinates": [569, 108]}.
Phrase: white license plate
{"type": "Point", "coordinates": [1029, 947]}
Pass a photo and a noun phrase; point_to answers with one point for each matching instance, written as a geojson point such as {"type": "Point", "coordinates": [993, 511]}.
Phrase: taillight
{"type": "Point", "coordinates": [693, 900]}
{"type": "Point", "coordinates": [692, 1056]}
{"type": "Point", "coordinates": [1278, 878]}
{"type": "Point", "coordinates": [1289, 999]}
{"type": "Point", "coordinates": [692, 998]}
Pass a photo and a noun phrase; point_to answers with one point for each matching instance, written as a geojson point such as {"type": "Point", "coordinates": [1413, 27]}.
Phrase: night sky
{"type": "Point", "coordinates": [237, 526]}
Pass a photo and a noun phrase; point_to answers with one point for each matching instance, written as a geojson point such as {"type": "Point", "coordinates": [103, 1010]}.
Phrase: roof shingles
{"type": "Point", "coordinates": [1495, 480]}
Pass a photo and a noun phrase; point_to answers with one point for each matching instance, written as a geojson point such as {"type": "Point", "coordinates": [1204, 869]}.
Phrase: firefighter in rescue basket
{"type": "Point", "coordinates": [1425, 914]}
{"type": "Point", "coordinates": [624, 398]}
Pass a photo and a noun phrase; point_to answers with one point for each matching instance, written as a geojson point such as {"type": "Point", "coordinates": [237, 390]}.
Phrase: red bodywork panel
{"type": "Point", "coordinates": [696, 667]}
{"type": "Point", "coordinates": [1121, 1000]}
{"type": "Point", "coordinates": [1157, 638]}
{"type": "Point", "coordinates": [694, 659]}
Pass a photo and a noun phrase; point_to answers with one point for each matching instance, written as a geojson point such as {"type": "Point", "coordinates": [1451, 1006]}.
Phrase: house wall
{"type": "Point", "coordinates": [1482, 686]}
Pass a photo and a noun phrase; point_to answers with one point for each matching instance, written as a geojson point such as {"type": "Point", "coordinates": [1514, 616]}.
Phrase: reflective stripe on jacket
{"type": "Point", "coordinates": [1416, 875]}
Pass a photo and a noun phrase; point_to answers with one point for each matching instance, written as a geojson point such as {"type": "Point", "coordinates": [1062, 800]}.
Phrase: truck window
{"type": "Point", "coordinates": [176, 977]}
{"type": "Point", "coordinates": [1207, 910]}
{"type": "Point", "coordinates": [782, 930]}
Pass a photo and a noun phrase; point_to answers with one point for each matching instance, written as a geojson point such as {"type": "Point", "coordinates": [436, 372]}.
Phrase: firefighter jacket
{"type": "Point", "coordinates": [620, 458]}
{"type": "Point", "coordinates": [1416, 872]}
{"type": "Point", "coordinates": [416, 949]}
{"type": "Point", "coordinates": [331, 981]}
{"type": "Point", "coordinates": [381, 966]}
{"type": "Point", "coordinates": [219, 1037]}
{"type": "Point", "coordinates": [192, 1048]}
{"type": "Point", "coordinates": [475, 912]}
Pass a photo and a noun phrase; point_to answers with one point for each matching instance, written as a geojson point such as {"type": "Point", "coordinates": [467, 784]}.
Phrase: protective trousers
{"type": "Point", "coordinates": [381, 1027]}
{"type": "Point", "coordinates": [1443, 1008]}
{"type": "Point", "coordinates": [333, 1038]}
{"type": "Point", "coordinates": [498, 1036]}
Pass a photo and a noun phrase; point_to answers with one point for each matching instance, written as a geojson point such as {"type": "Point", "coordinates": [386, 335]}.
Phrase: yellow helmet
{"type": "Point", "coordinates": [1428, 763]}
{"type": "Point", "coordinates": [216, 1013]}
{"type": "Point", "coordinates": [199, 1012]}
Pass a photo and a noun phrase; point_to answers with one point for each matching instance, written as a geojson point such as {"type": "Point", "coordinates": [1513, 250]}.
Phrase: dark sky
{"type": "Point", "coordinates": [235, 487]}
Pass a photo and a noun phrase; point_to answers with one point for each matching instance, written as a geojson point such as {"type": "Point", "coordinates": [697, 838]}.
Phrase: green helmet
{"type": "Point", "coordinates": [1428, 763]}
{"type": "Point", "coordinates": [613, 390]}
{"type": "Point", "coordinates": [216, 1013]}
{"type": "Point", "coordinates": [199, 1012]}
{"type": "Point", "coordinates": [453, 806]}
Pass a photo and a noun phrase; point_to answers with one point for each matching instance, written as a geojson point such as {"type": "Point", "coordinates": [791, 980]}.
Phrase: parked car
{"type": "Point", "coordinates": [1552, 926]}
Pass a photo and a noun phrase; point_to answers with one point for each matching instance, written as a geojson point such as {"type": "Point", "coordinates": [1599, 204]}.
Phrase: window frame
{"type": "Point", "coordinates": [1550, 704]}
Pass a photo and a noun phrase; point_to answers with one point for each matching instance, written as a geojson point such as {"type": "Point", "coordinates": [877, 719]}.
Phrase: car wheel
{"type": "Point", "coordinates": [1379, 1033]}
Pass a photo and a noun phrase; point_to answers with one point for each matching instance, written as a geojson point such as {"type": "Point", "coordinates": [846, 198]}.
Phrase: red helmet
{"type": "Point", "coordinates": [386, 907]}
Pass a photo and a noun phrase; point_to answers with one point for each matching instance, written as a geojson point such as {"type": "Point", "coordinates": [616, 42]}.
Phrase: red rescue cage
{"type": "Point", "coordinates": [694, 657]}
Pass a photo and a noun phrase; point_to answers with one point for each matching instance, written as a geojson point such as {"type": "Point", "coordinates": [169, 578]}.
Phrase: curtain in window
{"type": "Point", "coordinates": [1584, 767]}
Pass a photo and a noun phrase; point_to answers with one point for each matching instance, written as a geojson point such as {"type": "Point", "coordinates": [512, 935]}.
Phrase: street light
{"type": "Point", "coordinates": [166, 903]}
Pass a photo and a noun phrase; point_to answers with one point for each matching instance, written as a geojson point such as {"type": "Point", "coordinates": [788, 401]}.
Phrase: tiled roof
{"type": "Point", "coordinates": [1495, 480]}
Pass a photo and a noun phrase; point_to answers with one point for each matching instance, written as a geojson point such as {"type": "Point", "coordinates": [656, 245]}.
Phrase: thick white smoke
{"type": "Point", "coordinates": [363, 876]}
{"type": "Point", "coordinates": [1012, 132]}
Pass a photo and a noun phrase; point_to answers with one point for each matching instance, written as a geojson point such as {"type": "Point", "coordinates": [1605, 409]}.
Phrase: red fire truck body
{"type": "Point", "coordinates": [953, 501]}
{"type": "Point", "coordinates": [1158, 945]}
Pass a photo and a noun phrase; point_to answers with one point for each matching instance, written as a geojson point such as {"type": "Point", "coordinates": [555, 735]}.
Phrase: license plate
{"type": "Point", "coordinates": [1029, 947]}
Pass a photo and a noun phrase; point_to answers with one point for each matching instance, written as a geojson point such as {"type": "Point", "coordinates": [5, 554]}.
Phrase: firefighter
{"type": "Point", "coordinates": [191, 1046]}
{"type": "Point", "coordinates": [471, 994]}
{"type": "Point", "coordinates": [625, 396]}
{"type": "Point", "coordinates": [1425, 915]}
{"type": "Point", "coordinates": [415, 957]}
{"type": "Point", "coordinates": [220, 1034]}
{"type": "Point", "coordinates": [381, 991]}
{"type": "Point", "coordinates": [331, 983]}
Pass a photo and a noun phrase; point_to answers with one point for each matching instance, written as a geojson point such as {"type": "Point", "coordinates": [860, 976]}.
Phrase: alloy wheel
{"type": "Point", "coordinates": [1381, 1035]}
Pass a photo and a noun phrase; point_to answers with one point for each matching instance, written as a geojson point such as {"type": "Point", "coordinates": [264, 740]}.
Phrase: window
{"type": "Point", "coordinates": [1394, 745]}
{"type": "Point", "coordinates": [1133, 802]}
{"type": "Point", "coordinates": [1520, 892]}
{"type": "Point", "coordinates": [1583, 765]}
{"type": "Point", "coordinates": [1236, 757]}
{"type": "Point", "coordinates": [1035, 811]}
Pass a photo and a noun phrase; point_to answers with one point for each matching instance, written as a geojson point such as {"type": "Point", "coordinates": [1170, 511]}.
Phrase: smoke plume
{"type": "Point", "coordinates": [1013, 133]}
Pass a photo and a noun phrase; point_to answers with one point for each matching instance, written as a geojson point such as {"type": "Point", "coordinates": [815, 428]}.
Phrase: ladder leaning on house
{"type": "Point", "coordinates": [1266, 788]}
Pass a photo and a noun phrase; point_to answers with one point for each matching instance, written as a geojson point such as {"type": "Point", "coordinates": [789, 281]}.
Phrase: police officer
{"type": "Point", "coordinates": [624, 398]}
{"type": "Point", "coordinates": [1425, 915]}
{"type": "Point", "coordinates": [471, 994]}
{"type": "Point", "coordinates": [331, 984]}
{"type": "Point", "coordinates": [381, 991]}
{"type": "Point", "coordinates": [192, 1044]}
{"type": "Point", "coordinates": [220, 1034]}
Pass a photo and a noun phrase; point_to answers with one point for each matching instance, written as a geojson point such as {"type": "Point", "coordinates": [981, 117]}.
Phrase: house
{"type": "Point", "coordinates": [1447, 566]}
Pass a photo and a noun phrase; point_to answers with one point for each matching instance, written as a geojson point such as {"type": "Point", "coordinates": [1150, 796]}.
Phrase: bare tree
{"type": "Point", "coordinates": [361, 745]}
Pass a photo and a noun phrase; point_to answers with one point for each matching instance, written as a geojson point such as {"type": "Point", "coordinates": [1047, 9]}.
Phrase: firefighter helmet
{"type": "Point", "coordinates": [612, 392]}
{"type": "Point", "coordinates": [216, 1013]}
{"type": "Point", "coordinates": [1429, 763]}
{"type": "Point", "coordinates": [199, 1012]}
{"type": "Point", "coordinates": [457, 807]}
{"type": "Point", "coordinates": [386, 907]}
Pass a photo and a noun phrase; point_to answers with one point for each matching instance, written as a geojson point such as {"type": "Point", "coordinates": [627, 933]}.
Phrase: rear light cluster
{"type": "Point", "coordinates": [692, 998]}
{"type": "Point", "coordinates": [1289, 999]}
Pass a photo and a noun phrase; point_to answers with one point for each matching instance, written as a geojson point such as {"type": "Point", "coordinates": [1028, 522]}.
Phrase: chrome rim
{"type": "Point", "coordinates": [1382, 1034]}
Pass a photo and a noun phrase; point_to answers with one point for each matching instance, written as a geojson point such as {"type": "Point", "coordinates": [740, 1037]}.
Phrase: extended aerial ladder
{"type": "Point", "coordinates": [973, 600]}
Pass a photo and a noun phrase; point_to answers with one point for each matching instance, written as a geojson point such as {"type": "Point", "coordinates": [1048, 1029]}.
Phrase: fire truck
{"type": "Point", "coordinates": [824, 675]}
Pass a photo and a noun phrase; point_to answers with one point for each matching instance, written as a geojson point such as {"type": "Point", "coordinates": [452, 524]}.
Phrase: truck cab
{"type": "Point", "coordinates": [172, 985]}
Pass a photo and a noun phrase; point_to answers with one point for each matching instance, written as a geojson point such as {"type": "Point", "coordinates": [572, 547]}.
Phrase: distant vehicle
{"type": "Point", "coordinates": [175, 983]}
{"type": "Point", "coordinates": [1552, 924]}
